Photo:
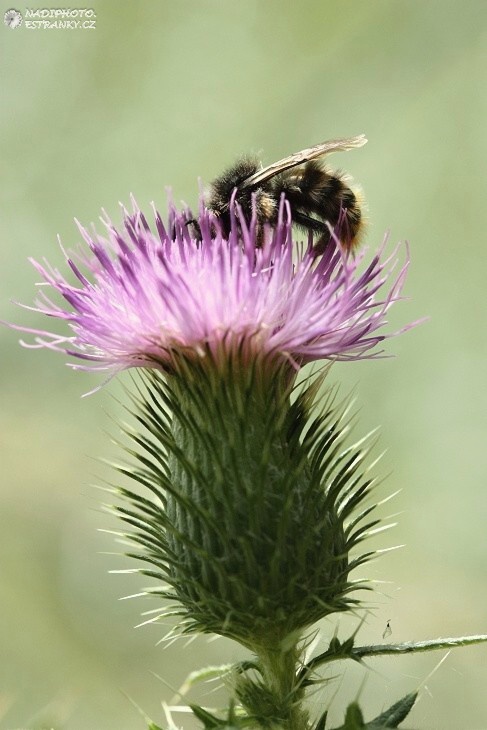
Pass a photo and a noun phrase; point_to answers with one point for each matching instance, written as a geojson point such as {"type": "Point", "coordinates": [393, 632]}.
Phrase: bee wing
{"type": "Point", "coordinates": [298, 158]}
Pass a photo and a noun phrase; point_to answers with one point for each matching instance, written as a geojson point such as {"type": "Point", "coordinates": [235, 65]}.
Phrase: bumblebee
{"type": "Point", "coordinates": [319, 198]}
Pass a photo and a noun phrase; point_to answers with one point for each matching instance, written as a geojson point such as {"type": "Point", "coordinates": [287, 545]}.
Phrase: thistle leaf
{"type": "Point", "coordinates": [346, 650]}
{"type": "Point", "coordinates": [212, 722]}
{"type": "Point", "coordinates": [209, 721]}
{"type": "Point", "coordinates": [413, 647]}
{"type": "Point", "coordinates": [395, 714]}
{"type": "Point", "coordinates": [391, 718]}
{"type": "Point", "coordinates": [353, 719]}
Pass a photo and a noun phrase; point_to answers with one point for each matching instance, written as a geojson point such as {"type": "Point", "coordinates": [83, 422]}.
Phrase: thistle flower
{"type": "Point", "coordinates": [146, 294]}
{"type": "Point", "coordinates": [239, 465]}
{"type": "Point", "coordinates": [253, 503]}
{"type": "Point", "coordinates": [252, 517]}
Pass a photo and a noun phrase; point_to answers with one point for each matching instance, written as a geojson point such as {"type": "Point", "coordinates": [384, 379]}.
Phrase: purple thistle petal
{"type": "Point", "coordinates": [146, 294]}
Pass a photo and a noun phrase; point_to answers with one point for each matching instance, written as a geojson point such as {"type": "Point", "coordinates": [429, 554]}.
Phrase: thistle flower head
{"type": "Point", "coordinates": [250, 505]}
{"type": "Point", "coordinates": [143, 293]}
{"type": "Point", "coordinates": [250, 526]}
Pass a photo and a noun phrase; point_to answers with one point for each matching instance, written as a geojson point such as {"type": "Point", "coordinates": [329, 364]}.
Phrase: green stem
{"type": "Point", "coordinates": [278, 668]}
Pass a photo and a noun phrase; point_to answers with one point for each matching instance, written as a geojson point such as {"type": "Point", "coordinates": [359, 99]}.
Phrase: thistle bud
{"type": "Point", "coordinates": [253, 501]}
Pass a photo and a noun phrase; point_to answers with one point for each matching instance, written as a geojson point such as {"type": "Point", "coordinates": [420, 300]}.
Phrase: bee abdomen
{"type": "Point", "coordinates": [325, 195]}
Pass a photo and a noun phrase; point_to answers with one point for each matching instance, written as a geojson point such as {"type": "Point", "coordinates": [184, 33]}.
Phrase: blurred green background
{"type": "Point", "coordinates": [159, 94]}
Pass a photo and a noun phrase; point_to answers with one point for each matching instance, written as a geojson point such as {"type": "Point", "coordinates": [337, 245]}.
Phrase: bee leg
{"type": "Point", "coordinates": [321, 244]}
{"type": "Point", "coordinates": [308, 223]}
{"type": "Point", "coordinates": [196, 228]}
{"type": "Point", "coordinates": [345, 229]}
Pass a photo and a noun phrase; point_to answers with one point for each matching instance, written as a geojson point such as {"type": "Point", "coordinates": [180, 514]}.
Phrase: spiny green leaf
{"type": "Point", "coordinates": [209, 721]}
{"type": "Point", "coordinates": [395, 714]}
{"type": "Point", "coordinates": [353, 719]}
{"type": "Point", "coordinates": [346, 650]}
{"type": "Point", "coordinates": [410, 647]}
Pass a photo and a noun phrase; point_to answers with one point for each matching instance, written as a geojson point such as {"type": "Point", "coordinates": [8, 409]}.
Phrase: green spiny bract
{"type": "Point", "coordinates": [250, 521]}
